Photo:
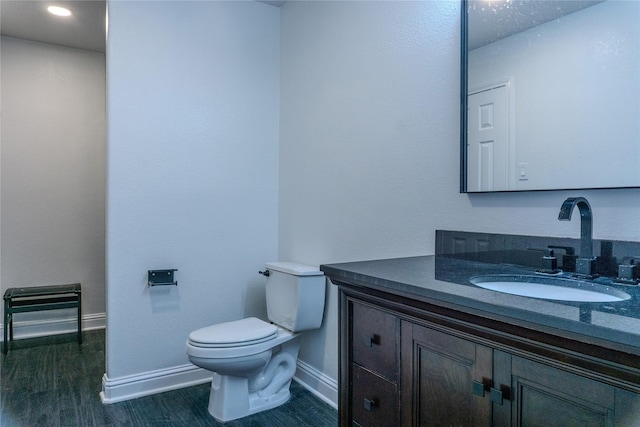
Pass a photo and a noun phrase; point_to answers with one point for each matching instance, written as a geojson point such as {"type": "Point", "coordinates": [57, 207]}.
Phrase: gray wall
{"type": "Point", "coordinates": [52, 218]}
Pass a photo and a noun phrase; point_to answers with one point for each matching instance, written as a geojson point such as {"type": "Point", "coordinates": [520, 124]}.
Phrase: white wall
{"type": "Point", "coordinates": [572, 75]}
{"type": "Point", "coordinates": [368, 108]}
{"type": "Point", "coordinates": [53, 176]}
{"type": "Point", "coordinates": [369, 149]}
{"type": "Point", "coordinates": [192, 175]}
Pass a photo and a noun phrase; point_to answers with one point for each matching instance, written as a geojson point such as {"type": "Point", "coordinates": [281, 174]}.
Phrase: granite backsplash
{"type": "Point", "coordinates": [529, 250]}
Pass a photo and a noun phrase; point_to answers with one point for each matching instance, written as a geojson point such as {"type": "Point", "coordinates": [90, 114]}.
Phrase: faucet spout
{"type": "Point", "coordinates": [586, 224]}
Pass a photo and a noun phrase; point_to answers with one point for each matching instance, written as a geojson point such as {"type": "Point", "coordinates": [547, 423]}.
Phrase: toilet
{"type": "Point", "coordinates": [253, 361]}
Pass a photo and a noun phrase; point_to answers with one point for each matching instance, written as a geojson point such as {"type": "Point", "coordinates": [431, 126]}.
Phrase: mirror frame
{"type": "Point", "coordinates": [464, 59]}
{"type": "Point", "coordinates": [464, 63]}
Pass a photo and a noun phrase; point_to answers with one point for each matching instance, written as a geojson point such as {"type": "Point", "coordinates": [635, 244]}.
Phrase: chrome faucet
{"type": "Point", "coordinates": [585, 264]}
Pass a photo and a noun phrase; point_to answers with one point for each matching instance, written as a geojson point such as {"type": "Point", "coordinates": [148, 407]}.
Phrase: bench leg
{"type": "Point", "coordinates": [79, 318]}
{"type": "Point", "coordinates": [7, 326]}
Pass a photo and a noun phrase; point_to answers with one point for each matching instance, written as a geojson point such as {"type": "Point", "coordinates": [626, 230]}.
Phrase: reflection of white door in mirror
{"type": "Point", "coordinates": [573, 123]}
{"type": "Point", "coordinates": [488, 140]}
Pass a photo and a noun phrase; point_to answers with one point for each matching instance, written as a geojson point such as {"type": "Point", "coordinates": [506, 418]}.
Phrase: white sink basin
{"type": "Point", "coordinates": [552, 288]}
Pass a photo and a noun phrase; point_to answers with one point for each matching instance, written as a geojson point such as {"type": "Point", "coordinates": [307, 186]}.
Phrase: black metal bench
{"type": "Point", "coordinates": [38, 298]}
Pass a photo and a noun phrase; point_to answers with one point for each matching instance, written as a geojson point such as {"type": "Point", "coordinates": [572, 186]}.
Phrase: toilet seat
{"type": "Point", "coordinates": [239, 349]}
{"type": "Point", "coordinates": [244, 332]}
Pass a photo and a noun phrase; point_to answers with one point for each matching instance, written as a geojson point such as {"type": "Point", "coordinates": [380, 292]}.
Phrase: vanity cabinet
{"type": "Point", "coordinates": [405, 363]}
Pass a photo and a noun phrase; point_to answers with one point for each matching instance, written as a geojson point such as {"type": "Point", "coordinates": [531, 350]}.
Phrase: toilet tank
{"type": "Point", "coordinates": [295, 295]}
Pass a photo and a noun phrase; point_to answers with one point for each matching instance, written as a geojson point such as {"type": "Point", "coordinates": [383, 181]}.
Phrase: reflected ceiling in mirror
{"type": "Point", "coordinates": [553, 95]}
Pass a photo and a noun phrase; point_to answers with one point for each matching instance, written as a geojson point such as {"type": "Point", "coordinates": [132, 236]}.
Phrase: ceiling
{"type": "Point", "coordinates": [491, 20]}
{"type": "Point", "coordinates": [85, 29]}
{"type": "Point", "coordinates": [29, 20]}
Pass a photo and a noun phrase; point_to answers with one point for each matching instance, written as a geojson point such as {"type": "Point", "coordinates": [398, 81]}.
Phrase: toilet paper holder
{"type": "Point", "coordinates": [161, 277]}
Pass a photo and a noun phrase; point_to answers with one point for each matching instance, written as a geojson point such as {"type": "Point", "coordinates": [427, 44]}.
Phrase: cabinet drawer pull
{"type": "Point", "coordinates": [369, 404]}
{"type": "Point", "coordinates": [373, 339]}
{"type": "Point", "coordinates": [478, 388]}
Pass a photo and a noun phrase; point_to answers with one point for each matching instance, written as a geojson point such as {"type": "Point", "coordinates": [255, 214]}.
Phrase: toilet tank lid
{"type": "Point", "coordinates": [294, 268]}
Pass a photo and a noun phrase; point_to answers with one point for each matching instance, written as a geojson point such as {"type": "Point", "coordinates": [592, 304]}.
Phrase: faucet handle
{"type": "Point", "coordinates": [549, 260]}
{"type": "Point", "coordinates": [586, 267]}
{"type": "Point", "coordinates": [569, 258]}
{"type": "Point", "coordinates": [546, 253]}
{"type": "Point", "coordinates": [569, 250]}
{"type": "Point", "coordinates": [628, 270]}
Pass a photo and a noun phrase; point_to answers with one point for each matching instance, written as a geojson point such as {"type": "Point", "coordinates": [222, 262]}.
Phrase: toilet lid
{"type": "Point", "coordinates": [232, 334]}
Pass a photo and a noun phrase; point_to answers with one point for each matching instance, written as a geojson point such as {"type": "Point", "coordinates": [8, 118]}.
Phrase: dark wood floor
{"type": "Point", "coordinates": [53, 381]}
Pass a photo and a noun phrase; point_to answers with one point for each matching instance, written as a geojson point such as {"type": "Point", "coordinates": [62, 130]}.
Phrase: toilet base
{"type": "Point", "coordinates": [234, 397]}
{"type": "Point", "coordinates": [224, 405]}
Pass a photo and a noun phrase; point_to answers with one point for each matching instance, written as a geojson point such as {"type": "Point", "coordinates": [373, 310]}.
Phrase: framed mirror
{"type": "Point", "coordinates": [550, 95]}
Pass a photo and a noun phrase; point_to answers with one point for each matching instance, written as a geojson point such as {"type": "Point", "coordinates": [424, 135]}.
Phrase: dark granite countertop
{"type": "Point", "coordinates": [444, 280]}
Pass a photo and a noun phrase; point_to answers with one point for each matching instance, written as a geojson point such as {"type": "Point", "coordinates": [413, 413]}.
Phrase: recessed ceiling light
{"type": "Point", "coordinates": [60, 11]}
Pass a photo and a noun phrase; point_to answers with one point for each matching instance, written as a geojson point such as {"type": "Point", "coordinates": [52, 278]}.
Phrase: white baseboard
{"type": "Point", "coordinates": [40, 328]}
{"type": "Point", "coordinates": [320, 385]}
{"type": "Point", "coordinates": [152, 382]}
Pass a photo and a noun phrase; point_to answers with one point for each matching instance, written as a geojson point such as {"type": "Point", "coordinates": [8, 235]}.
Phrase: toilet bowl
{"type": "Point", "coordinates": [252, 372]}
{"type": "Point", "coordinates": [254, 361]}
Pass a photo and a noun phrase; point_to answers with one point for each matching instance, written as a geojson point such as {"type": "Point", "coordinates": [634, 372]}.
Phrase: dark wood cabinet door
{"type": "Point", "coordinates": [546, 396]}
{"type": "Point", "coordinates": [438, 374]}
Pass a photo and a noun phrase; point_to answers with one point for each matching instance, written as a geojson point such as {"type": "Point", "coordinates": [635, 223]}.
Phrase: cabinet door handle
{"type": "Point", "coordinates": [373, 339]}
{"type": "Point", "coordinates": [495, 395]}
{"type": "Point", "coordinates": [369, 404]}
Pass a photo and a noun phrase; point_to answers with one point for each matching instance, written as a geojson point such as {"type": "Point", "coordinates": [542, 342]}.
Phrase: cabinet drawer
{"type": "Point", "coordinates": [373, 399]}
{"type": "Point", "coordinates": [375, 340]}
